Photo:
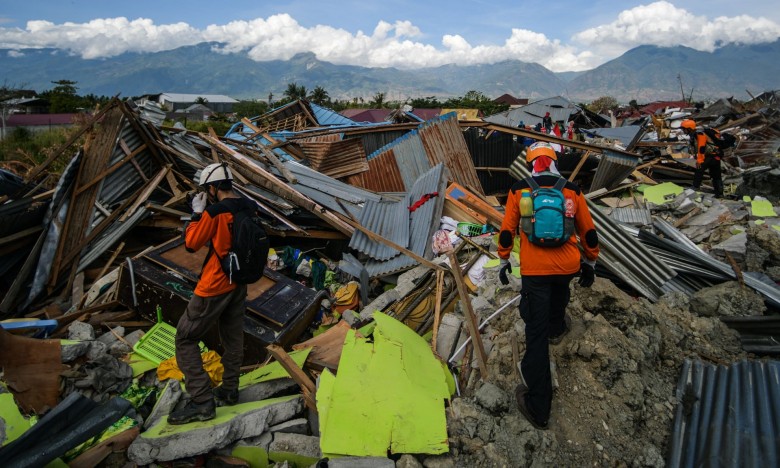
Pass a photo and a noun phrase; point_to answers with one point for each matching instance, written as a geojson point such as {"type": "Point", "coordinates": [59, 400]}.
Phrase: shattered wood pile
{"type": "Point", "coordinates": [381, 288]}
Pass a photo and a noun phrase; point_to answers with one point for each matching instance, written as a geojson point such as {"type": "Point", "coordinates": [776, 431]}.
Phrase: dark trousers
{"type": "Point", "coordinates": [226, 310]}
{"type": "Point", "coordinates": [713, 166]}
{"type": "Point", "coordinates": [542, 308]}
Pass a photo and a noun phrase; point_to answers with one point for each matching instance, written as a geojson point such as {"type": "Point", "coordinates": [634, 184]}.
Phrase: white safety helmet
{"type": "Point", "coordinates": [214, 174]}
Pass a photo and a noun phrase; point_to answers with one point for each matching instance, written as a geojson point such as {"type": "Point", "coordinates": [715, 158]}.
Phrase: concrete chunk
{"type": "Point", "coordinates": [167, 400]}
{"type": "Point", "coordinates": [265, 390]}
{"type": "Point", "coordinates": [295, 426]}
{"type": "Point", "coordinates": [407, 461]}
{"type": "Point", "coordinates": [109, 338]}
{"type": "Point", "coordinates": [81, 331]}
{"type": "Point", "coordinates": [451, 329]}
{"type": "Point", "coordinates": [302, 450]}
{"type": "Point", "coordinates": [72, 351]}
{"type": "Point", "coordinates": [164, 442]}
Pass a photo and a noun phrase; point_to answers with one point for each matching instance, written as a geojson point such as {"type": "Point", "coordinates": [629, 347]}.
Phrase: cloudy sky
{"type": "Point", "coordinates": [563, 35]}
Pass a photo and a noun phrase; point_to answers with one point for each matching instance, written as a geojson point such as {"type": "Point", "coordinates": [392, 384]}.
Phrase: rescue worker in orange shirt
{"type": "Point", "coordinates": [708, 155]}
{"type": "Point", "coordinates": [546, 274]}
{"type": "Point", "coordinates": [215, 301]}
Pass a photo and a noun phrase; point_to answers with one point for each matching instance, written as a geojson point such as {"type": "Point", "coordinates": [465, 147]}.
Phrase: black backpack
{"type": "Point", "coordinates": [248, 252]}
{"type": "Point", "coordinates": [721, 140]}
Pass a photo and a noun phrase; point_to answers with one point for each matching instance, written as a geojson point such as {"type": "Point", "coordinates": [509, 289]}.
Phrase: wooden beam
{"type": "Point", "coordinates": [113, 257]}
{"type": "Point", "coordinates": [471, 319]}
{"type": "Point", "coordinates": [214, 155]}
{"type": "Point", "coordinates": [44, 165]}
{"type": "Point", "coordinates": [278, 164]}
{"type": "Point", "coordinates": [150, 187]}
{"type": "Point", "coordinates": [297, 374]}
{"type": "Point", "coordinates": [576, 171]}
{"type": "Point", "coordinates": [437, 307]}
{"type": "Point", "coordinates": [20, 235]}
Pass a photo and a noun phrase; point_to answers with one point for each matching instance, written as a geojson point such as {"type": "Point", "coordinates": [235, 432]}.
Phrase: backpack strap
{"type": "Point", "coordinates": [560, 184]}
{"type": "Point", "coordinates": [532, 183]}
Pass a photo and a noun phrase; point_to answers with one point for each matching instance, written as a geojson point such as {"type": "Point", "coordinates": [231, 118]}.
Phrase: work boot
{"type": "Point", "coordinates": [225, 397]}
{"type": "Point", "coordinates": [520, 393]}
{"type": "Point", "coordinates": [193, 412]}
{"type": "Point", "coordinates": [554, 340]}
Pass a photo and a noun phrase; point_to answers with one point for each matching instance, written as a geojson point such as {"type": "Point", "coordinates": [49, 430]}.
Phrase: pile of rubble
{"type": "Point", "coordinates": [94, 274]}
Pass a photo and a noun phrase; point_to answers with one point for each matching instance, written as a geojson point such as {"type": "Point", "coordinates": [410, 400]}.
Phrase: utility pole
{"type": "Point", "coordinates": [682, 91]}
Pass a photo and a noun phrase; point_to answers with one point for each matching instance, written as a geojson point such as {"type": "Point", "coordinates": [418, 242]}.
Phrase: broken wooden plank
{"type": "Point", "coordinates": [471, 319]}
{"type": "Point", "coordinates": [56, 154]}
{"type": "Point", "coordinates": [147, 192]}
{"type": "Point", "coordinates": [581, 162]}
{"type": "Point", "coordinates": [437, 307]}
{"type": "Point", "coordinates": [307, 386]}
{"type": "Point", "coordinates": [214, 155]}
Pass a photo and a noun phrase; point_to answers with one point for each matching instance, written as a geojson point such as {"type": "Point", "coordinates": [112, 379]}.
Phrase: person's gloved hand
{"type": "Point", "coordinates": [199, 202]}
{"type": "Point", "coordinates": [587, 273]}
{"type": "Point", "coordinates": [505, 268]}
{"type": "Point", "coordinates": [703, 149]}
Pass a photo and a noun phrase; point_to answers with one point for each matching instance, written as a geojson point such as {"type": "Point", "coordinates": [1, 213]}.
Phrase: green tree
{"type": "Point", "coordinates": [319, 96]}
{"type": "Point", "coordinates": [63, 98]}
{"type": "Point", "coordinates": [429, 102]}
{"type": "Point", "coordinates": [476, 100]}
{"type": "Point", "coordinates": [249, 108]}
{"type": "Point", "coordinates": [603, 104]}
{"type": "Point", "coordinates": [378, 101]}
{"type": "Point", "coordinates": [201, 100]}
{"type": "Point", "coordinates": [294, 92]}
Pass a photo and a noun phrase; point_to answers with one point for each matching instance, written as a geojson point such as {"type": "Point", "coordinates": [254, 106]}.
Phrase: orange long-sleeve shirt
{"type": "Point", "coordinates": [536, 260]}
{"type": "Point", "coordinates": [215, 225]}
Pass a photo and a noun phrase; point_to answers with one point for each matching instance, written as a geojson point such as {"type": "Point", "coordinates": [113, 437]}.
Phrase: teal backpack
{"type": "Point", "coordinates": [550, 225]}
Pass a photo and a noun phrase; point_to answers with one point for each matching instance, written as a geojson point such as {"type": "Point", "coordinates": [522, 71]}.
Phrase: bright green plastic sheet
{"type": "Point", "coordinates": [762, 208]}
{"type": "Point", "coordinates": [388, 394]}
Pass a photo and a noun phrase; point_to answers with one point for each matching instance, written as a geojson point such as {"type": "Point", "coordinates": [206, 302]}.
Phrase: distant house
{"type": "Point", "coordinates": [512, 101]}
{"type": "Point", "coordinates": [215, 102]}
{"type": "Point", "coordinates": [390, 115]}
{"type": "Point", "coordinates": [561, 110]}
{"type": "Point", "coordinates": [194, 112]}
{"type": "Point", "coordinates": [36, 122]}
{"type": "Point", "coordinates": [27, 105]}
{"type": "Point", "coordinates": [465, 114]}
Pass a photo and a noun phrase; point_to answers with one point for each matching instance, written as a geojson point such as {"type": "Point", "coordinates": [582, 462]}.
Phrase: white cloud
{"type": "Point", "coordinates": [397, 44]}
{"type": "Point", "coordinates": [663, 24]}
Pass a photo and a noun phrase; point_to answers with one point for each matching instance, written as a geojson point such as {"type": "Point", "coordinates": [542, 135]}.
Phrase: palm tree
{"type": "Point", "coordinates": [319, 96]}
{"type": "Point", "coordinates": [295, 92]}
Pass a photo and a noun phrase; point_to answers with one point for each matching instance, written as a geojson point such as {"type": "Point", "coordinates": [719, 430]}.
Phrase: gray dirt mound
{"type": "Point", "coordinates": [616, 372]}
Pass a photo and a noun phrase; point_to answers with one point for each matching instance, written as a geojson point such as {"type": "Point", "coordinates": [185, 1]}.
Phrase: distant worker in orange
{"type": "Point", "coordinates": [548, 210]}
{"type": "Point", "coordinates": [704, 144]}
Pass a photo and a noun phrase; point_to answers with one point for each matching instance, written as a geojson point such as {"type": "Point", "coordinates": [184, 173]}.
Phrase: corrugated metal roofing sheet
{"type": "Point", "coordinates": [421, 224]}
{"type": "Point", "coordinates": [327, 117]}
{"type": "Point", "coordinates": [326, 190]}
{"type": "Point", "coordinates": [634, 216]}
{"type": "Point", "coordinates": [727, 416]}
{"type": "Point", "coordinates": [627, 135]}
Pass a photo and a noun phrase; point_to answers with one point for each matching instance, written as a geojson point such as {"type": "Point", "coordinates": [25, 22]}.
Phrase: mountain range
{"type": "Point", "coordinates": [645, 73]}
